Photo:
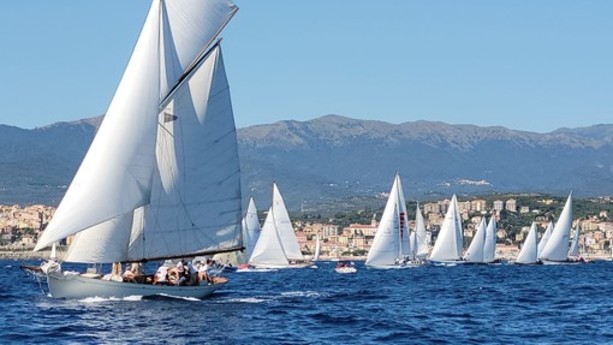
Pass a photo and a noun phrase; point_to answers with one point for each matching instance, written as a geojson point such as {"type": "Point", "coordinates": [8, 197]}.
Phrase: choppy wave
{"type": "Point", "coordinates": [505, 304]}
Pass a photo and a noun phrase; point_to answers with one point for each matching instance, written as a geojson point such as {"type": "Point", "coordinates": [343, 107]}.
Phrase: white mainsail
{"type": "Point", "coordinates": [268, 250]}
{"type": "Point", "coordinates": [448, 246]}
{"type": "Point", "coordinates": [389, 243]}
{"type": "Point", "coordinates": [544, 239]}
{"type": "Point", "coordinates": [556, 248]}
{"type": "Point", "coordinates": [489, 247]}
{"type": "Point", "coordinates": [574, 245]}
{"type": "Point", "coordinates": [474, 253]}
{"type": "Point", "coordinates": [161, 178]}
{"type": "Point", "coordinates": [421, 237]}
{"type": "Point", "coordinates": [528, 253]}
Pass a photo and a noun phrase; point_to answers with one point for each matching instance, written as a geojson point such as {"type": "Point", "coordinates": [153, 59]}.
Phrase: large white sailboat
{"type": "Point", "coordinates": [390, 247]}
{"type": "Point", "coordinates": [161, 178]}
{"type": "Point", "coordinates": [557, 247]}
{"type": "Point", "coordinates": [447, 250]}
{"type": "Point", "coordinates": [277, 246]}
{"type": "Point", "coordinates": [529, 252]}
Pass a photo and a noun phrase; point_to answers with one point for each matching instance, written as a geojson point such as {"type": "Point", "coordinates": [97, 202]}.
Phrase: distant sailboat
{"type": "Point", "coordinates": [447, 249]}
{"type": "Point", "coordinates": [53, 255]}
{"type": "Point", "coordinates": [390, 247]}
{"type": "Point", "coordinates": [317, 248]}
{"type": "Point", "coordinates": [420, 245]}
{"type": "Point", "coordinates": [251, 231]}
{"type": "Point", "coordinates": [529, 251]}
{"type": "Point", "coordinates": [161, 179]}
{"type": "Point", "coordinates": [556, 249]}
{"type": "Point", "coordinates": [277, 246]}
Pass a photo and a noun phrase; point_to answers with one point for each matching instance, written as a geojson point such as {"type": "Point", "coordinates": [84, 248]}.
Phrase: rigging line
{"type": "Point", "coordinates": [161, 125]}
{"type": "Point", "coordinates": [188, 255]}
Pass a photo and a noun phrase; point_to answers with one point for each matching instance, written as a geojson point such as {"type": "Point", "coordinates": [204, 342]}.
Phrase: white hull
{"type": "Point", "coordinates": [570, 262]}
{"type": "Point", "coordinates": [391, 267]}
{"type": "Point", "coordinates": [74, 286]}
{"type": "Point", "coordinates": [281, 266]}
{"type": "Point", "coordinates": [448, 263]}
{"type": "Point", "coordinates": [256, 270]}
{"type": "Point", "coordinates": [345, 270]}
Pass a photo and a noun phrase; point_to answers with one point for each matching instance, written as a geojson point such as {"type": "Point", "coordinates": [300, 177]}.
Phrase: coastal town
{"type": "Point", "coordinates": [20, 226]}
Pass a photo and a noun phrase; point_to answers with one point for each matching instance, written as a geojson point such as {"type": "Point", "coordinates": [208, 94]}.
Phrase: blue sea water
{"type": "Point", "coordinates": [503, 304]}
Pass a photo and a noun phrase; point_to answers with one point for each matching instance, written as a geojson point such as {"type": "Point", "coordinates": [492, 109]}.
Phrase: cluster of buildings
{"type": "Point", "coordinates": [596, 237]}
{"type": "Point", "coordinates": [20, 227]}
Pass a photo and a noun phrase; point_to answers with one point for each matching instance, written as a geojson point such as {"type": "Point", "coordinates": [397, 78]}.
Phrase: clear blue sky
{"type": "Point", "coordinates": [530, 65]}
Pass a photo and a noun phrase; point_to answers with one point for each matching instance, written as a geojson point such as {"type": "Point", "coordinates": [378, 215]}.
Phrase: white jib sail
{"type": "Point", "coordinates": [284, 227]}
{"type": "Point", "coordinates": [115, 175]}
{"type": "Point", "coordinates": [474, 253]}
{"type": "Point", "coordinates": [528, 253]}
{"type": "Point", "coordinates": [556, 248]}
{"type": "Point", "coordinates": [268, 250]}
{"type": "Point", "coordinates": [489, 247]}
{"type": "Point", "coordinates": [448, 245]}
{"type": "Point", "coordinates": [385, 248]}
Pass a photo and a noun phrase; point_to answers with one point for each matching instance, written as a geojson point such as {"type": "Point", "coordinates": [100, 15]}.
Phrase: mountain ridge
{"type": "Point", "coordinates": [334, 157]}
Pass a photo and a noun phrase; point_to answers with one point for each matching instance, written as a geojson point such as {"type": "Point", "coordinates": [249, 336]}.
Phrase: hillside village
{"type": "Point", "coordinates": [21, 226]}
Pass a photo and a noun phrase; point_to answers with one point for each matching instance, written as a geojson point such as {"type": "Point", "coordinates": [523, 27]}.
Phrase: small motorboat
{"type": "Point", "coordinates": [345, 267]}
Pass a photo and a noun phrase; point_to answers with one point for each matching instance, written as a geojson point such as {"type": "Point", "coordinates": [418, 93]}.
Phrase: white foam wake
{"type": "Point", "coordinates": [110, 299]}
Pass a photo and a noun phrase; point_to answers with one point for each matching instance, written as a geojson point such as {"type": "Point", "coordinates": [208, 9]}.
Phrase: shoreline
{"type": "Point", "coordinates": [23, 254]}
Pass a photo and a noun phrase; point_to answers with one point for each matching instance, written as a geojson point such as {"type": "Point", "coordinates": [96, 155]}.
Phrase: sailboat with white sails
{"type": "Point", "coordinates": [390, 247]}
{"type": "Point", "coordinates": [161, 179]}
{"type": "Point", "coordinates": [419, 240]}
{"type": "Point", "coordinates": [277, 246]}
{"type": "Point", "coordinates": [317, 248]}
{"type": "Point", "coordinates": [557, 247]}
{"type": "Point", "coordinates": [528, 255]}
{"type": "Point", "coordinates": [447, 250]}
